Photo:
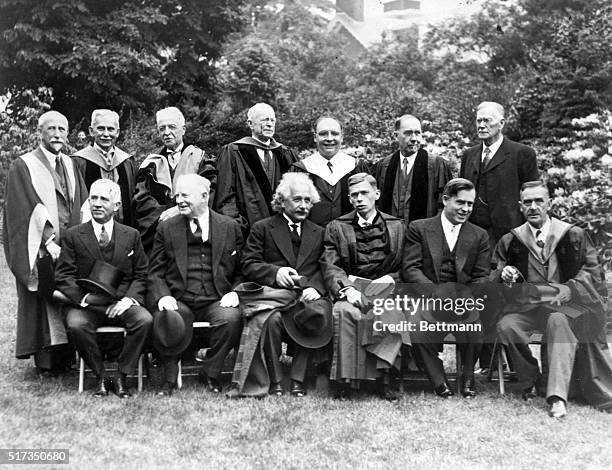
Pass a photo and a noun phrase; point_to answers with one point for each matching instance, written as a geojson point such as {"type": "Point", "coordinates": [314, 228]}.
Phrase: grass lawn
{"type": "Point", "coordinates": [195, 430]}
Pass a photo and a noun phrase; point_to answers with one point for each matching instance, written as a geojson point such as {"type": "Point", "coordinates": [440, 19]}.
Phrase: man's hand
{"type": "Point", "coordinates": [116, 309]}
{"type": "Point", "coordinates": [54, 250]}
{"type": "Point", "coordinates": [378, 286]}
{"type": "Point", "coordinates": [284, 279]}
{"type": "Point", "coordinates": [170, 212]}
{"type": "Point", "coordinates": [353, 296]}
{"type": "Point", "coordinates": [564, 295]}
{"type": "Point", "coordinates": [309, 294]}
{"type": "Point", "coordinates": [509, 274]}
{"type": "Point", "coordinates": [167, 302]}
{"type": "Point", "coordinates": [229, 300]}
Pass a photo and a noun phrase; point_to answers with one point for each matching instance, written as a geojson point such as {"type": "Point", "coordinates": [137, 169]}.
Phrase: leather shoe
{"type": "Point", "coordinates": [557, 408]}
{"type": "Point", "coordinates": [385, 392]}
{"type": "Point", "coordinates": [297, 389]}
{"type": "Point", "coordinates": [469, 388]}
{"type": "Point", "coordinates": [529, 393]}
{"type": "Point", "coordinates": [343, 392]}
{"type": "Point", "coordinates": [444, 391]}
{"type": "Point", "coordinates": [167, 389]}
{"type": "Point", "coordinates": [121, 389]}
{"type": "Point", "coordinates": [277, 390]}
{"type": "Point", "coordinates": [102, 388]}
{"type": "Point", "coordinates": [212, 385]}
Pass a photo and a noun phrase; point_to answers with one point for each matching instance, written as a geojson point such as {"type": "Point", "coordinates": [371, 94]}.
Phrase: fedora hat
{"type": "Point", "coordinates": [310, 324]}
{"type": "Point", "coordinates": [171, 335]}
{"type": "Point", "coordinates": [104, 278]}
{"type": "Point", "coordinates": [448, 304]}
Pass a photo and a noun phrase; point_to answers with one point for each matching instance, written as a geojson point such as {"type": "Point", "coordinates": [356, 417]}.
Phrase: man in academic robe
{"type": "Point", "coordinates": [497, 167]}
{"type": "Point", "coordinates": [43, 197]}
{"type": "Point", "coordinates": [194, 265]}
{"type": "Point", "coordinates": [330, 168]}
{"type": "Point", "coordinates": [282, 251]}
{"type": "Point", "coordinates": [411, 181]}
{"type": "Point", "coordinates": [546, 254]}
{"type": "Point", "coordinates": [363, 252]}
{"type": "Point", "coordinates": [446, 250]}
{"type": "Point", "coordinates": [103, 159]}
{"type": "Point", "coordinates": [106, 258]}
{"type": "Point", "coordinates": [249, 170]}
{"type": "Point", "coordinates": [156, 183]}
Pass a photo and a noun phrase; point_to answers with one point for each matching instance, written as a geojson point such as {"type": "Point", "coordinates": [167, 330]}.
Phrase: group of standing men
{"type": "Point", "coordinates": [319, 237]}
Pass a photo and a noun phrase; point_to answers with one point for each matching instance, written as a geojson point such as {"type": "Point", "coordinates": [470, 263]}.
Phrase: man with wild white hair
{"type": "Point", "coordinates": [43, 197]}
{"type": "Point", "coordinates": [250, 169]}
{"type": "Point", "coordinates": [156, 183]}
{"type": "Point", "coordinates": [282, 252]}
{"type": "Point", "coordinates": [103, 159]}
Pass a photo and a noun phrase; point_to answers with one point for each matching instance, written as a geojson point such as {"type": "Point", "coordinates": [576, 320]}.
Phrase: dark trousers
{"type": "Point", "coordinates": [226, 326]}
{"type": "Point", "coordinates": [82, 324]}
{"type": "Point", "coordinates": [515, 329]}
{"type": "Point", "coordinates": [427, 344]}
{"type": "Point", "coordinates": [274, 335]}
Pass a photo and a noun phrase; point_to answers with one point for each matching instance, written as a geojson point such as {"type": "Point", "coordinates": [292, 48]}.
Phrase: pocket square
{"type": "Point", "coordinates": [131, 253]}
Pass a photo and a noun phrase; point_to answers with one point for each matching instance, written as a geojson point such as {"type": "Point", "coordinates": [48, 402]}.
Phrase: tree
{"type": "Point", "coordinates": [122, 54]}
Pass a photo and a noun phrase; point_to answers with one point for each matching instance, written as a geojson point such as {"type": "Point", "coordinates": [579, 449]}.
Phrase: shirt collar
{"type": "Point", "coordinates": [261, 141]}
{"type": "Point", "coordinates": [409, 157]}
{"type": "Point", "coordinates": [494, 147]}
{"type": "Point", "coordinates": [291, 222]}
{"type": "Point", "coordinates": [544, 229]}
{"type": "Point", "coordinates": [108, 227]}
{"type": "Point", "coordinates": [111, 151]}
{"type": "Point", "coordinates": [50, 156]}
{"type": "Point", "coordinates": [361, 221]}
{"type": "Point", "coordinates": [179, 149]}
{"type": "Point", "coordinates": [447, 224]}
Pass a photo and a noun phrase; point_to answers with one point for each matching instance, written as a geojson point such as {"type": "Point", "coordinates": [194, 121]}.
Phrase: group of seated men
{"type": "Point", "coordinates": [268, 249]}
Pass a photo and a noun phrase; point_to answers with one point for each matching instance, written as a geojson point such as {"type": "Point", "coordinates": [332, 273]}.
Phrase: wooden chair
{"type": "Point", "coordinates": [200, 325]}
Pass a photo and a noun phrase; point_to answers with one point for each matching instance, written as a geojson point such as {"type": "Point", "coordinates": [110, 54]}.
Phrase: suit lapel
{"type": "Point", "coordinates": [217, 230]}
{"type": "Point", "coordinates": [322, 187]}
{"type": "Point", "coordinates": [462, 247]}
{"type": "Point", "coordinates": [307, 244]}
{"type": "Point", "coordinates": [436, 240]}
{"type": "Point", "coordinates": [90, 241]}
{"type": "Point", "coordinates": [500, 156]}
{"type": "Point", "coordinates": [178, 234]}
{"type": "Point", "coordinates": [282, 238]}
{"type": "Point", "coordinates": [119, 237]}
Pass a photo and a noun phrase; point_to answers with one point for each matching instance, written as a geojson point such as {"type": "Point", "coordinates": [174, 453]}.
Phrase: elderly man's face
{"type": "Point", "coordinates": [263, 123]}
{"type": "Point", "coordinates": [102, 204]}
{"type": "Point", "coordinates": [104, 131]}
{"type": "Point", "coordinates": [53, 134]}
{"type": "Point", "coordinates": [409, 136]}
{"type": "Point", "coordinates": [328, 137]}
{"type": "Point", "coordinates": [191, 198]}
{"type": "Point", "coordinates": [489, 124]}
{"type": "Point", "coordinates": [170, 132]}
{"type": "Point", "coordinates": [298, 204]}
{"type": "Point", "coordinates": [535, 204]}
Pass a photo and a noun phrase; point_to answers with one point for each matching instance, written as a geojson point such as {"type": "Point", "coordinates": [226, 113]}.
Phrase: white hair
{"type": "Point", "coordinates": [113, 189]}
{"type": "Point", "coordinates": [49, 115]}
{"type": "Point", "coordinates": [492, 104]}
{"type": "Point", "coordinates": [171, 113]}
{"type": "Point", "coordinates": [104, 112]}
{"type": "Point", "coordinates": [195, 179]}
{"type": "Point", "coordinates": [289, 181]}
{"type": "Point", "coordinates": [258, 107]}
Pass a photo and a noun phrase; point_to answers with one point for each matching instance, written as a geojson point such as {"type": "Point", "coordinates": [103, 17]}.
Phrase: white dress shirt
{"type": "Point", "coordinates": [365, 222]}
{"type": "Point", "coordinates": [451, 231]}
{"type": "Point", "coordinates": [493, 148]}
{"type": "Point", "coordinates": [108, 228]}
{"type": "Point", "coordinates": [174, 156]}
{"type": "Point", "coordinates": [410, 162]}
{"type": "Point", "coordinates": [291, 222]}
{"type": "Point", "coordinates": [543, 231]}
{"type": "Point", "coordinates": [204, 225]}
{"type": "Point", "coordinates": [261, 152]}
{"type": "Point", "coordinates": [51, 157]}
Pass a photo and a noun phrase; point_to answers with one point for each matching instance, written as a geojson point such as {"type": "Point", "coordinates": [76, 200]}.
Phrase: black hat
{"type": "Point", "coordinates": [171, 334]}
{"type": "Point", "coordinates": [104, 278]}
{"type": "Point", "coordinates": [451, 302]}
{"type": "Point", "coordinates": [310, 324]}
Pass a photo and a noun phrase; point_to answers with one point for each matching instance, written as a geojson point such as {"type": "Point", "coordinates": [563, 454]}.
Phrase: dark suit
{"type": "Point", "coordinates": [80, 250]}
{"type": "Point", "coordinates": [423, 257]}
{"type": "Point", "coordinates": [168, 275]}
{"type": "Point", "coordinates": [269, 248]}
{"type": "Point", "coordinates": [511, 166]}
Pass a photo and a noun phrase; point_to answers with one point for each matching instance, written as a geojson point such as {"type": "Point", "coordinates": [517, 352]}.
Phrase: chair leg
{"type": "Point", "coordinates": [496, 351]}
{"type": "Point", "coordinates": [81, 374]}
{"type": "Point", "coordinates": [179, 378]}
{"type": "Point", "coordinates": [459, 379]}
{"type": "Point", "coordinates": [140, 372]}
{"type": "Point", "coordinates": [500, 370]}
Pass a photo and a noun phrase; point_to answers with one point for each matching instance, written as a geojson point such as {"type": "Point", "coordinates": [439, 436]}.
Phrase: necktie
{"type": "Point", "coordinates": [104, 238]}
{"type": "Point", "coordinates": [108, 156]}
{"type": "Point", "coordinates": [59, 171]}
{"type": "Point", "coordinates": [198, 230]}
{"type": "Point", "coordinates": [487, 157]}
{"type": "Point", "coordinates": [173, 157]}
{"type": "Point", "coordinates": [405, 167]}
{"type": "Point", "coordinates": [295, 238]}
{"type": "Point", "coordinates": [539, 241]}
{"type": "Point", "coordinates": [330, 166]}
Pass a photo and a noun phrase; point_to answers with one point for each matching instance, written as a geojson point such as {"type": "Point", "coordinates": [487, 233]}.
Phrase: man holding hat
{"type": "Point", "coordinates": [566, 304]}
{"type": "Point", "coordinates": [283, 251]}
{"type": "Point", "coordinates": [158, 173]}
{"type": "Point", "coordinates": [103, 159]}
{"type": "Point", "coordinates": [102, 268]}
{"type": "Point", "coordinates": [443, 255]}
{"type": "Point", "coordinates": [195, 264]}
